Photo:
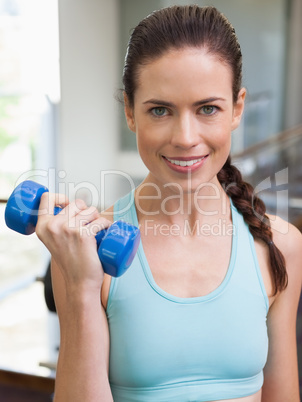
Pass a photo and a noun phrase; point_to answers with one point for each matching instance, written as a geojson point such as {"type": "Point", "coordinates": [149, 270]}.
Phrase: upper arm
{"type": "Point", "coordinates": [281, 371]}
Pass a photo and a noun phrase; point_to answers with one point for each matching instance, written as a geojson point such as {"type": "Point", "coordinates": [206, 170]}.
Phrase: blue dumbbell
{"type": "Point", "coordinates": [116, 245]}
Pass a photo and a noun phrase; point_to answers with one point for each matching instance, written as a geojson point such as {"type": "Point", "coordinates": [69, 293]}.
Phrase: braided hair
{"type": "Point", "coordinates": [253, 211]}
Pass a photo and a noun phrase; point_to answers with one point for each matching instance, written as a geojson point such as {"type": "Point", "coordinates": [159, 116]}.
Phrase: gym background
{"type": "Point", "coordinates": [60, 124]}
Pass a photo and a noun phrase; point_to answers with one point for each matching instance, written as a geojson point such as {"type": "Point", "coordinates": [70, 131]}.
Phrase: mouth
{"type": "Point", "coordinates": [185, 161]}
{"type": "Point", "coordinates": [184, 165]}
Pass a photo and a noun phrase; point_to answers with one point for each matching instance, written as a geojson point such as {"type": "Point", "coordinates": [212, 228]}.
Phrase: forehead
{"type": "Point", "coordinates": [184, 72]}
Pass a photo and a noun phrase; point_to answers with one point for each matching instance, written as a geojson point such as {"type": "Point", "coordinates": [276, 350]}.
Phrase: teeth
{"type": "Point", "coordinates": [184, 163]}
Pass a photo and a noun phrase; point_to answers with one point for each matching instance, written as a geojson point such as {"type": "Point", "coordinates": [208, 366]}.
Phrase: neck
{"type": "Point", "coordinates": [173, 203]}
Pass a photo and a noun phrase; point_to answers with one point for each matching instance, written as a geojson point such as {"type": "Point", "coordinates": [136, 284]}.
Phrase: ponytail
{"type": "Point", "coordinates": [253, 211]}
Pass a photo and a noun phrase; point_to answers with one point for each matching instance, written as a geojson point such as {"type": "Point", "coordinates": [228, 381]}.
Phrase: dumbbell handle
{"type": "Point", "coordinates": [116, 245]}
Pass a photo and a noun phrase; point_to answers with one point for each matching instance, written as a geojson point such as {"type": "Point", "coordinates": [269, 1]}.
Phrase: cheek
{"type": "Point", "coordinates": [149, 137]}
{"type": "Point", "coordinates": [226, 131]}
{"type": "Point", "coordinates": [145, 142]}
{"type": "Point", "coordinates": [220, 137]}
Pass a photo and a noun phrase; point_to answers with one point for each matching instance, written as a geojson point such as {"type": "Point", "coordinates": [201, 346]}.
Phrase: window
{"type": "Point", "coordinates": [29, 92]}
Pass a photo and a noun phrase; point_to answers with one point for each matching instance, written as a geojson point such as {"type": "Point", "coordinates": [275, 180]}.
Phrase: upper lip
{"type": "Point", "coordinates": [184, 158]}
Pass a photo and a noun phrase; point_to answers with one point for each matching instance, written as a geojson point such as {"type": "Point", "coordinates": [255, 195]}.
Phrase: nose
{"type": "Point", "coordinates": [185, 132]}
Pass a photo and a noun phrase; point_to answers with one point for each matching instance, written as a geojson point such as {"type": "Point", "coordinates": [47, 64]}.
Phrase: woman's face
{"type": "Point", "coordinates": [183, 116]}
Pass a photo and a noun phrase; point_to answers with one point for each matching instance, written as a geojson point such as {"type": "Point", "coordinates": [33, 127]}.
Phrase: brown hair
{"type": "Point", "coordinates": [204, 27]}
{"type": "Point", "coordinates": [253, 211]}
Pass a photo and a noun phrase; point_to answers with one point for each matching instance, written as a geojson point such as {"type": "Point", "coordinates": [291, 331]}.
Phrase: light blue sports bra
{"type": "Point", "coordinates": [167, 348]}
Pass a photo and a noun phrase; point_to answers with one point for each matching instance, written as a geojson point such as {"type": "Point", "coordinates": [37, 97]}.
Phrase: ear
{"type": "Point", "coordinates": [238, 109]}
{"type": "Point", "coordinates": [129, 113]}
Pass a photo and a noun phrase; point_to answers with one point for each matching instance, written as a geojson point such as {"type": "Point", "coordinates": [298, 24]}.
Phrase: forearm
{"type": "Point", "coordinates": [82, 372]}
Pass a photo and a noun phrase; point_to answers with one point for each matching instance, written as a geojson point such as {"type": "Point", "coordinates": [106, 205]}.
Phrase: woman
{"type": "Point", "coordinates": [207, 310]}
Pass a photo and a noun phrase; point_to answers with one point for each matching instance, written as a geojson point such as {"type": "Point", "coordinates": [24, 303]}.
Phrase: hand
{"type": "Point", "coordinates": [70, 238]}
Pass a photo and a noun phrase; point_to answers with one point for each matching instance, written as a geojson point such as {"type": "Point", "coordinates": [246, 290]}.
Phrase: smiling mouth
{"type": "Point", "coordinates": [184, 162]}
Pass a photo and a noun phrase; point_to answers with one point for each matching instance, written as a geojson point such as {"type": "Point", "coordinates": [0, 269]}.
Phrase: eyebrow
{"type": "Point", "coordinates": [170, 104]}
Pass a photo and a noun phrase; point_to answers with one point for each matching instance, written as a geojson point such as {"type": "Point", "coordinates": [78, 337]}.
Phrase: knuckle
{"type": "Point", "coordinates": [61, 199]}
{"type": "Point", "coordinates": [94, 209]}
{"type": "Point", "coordinates": [67, 229]}
{"type": "Point", "coordinates": [81, 204]}
{"type": "Point", "coordinates": [45, 195]}
{"type": "Point", "coordinates": [51, 227]}
{"type": "Point", "coordinates": [94, 212]}
{"type": "Point", "coordinates": [87, 212]}
{"type": "Point", "coordinates": [44, 229]}
{"type": "Point", "coordinates": [106, 222]}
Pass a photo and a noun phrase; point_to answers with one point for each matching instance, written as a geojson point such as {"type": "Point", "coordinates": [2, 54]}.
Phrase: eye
{"type": "Point", "coordinates": [159, 111]}
{"type": "Point", "coordinates": [208, 110]}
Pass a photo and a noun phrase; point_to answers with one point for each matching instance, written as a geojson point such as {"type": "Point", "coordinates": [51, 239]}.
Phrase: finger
{"type": "Point", "coordinates": [95, 226]}
{"type": "Point", "coordinates": [72, 210]}
{"type": "Point", "coordinates": [86, 216]}
{"type": "Point", "coordinates": [48, 202]}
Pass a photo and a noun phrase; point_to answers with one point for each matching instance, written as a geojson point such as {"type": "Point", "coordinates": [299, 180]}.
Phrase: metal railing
{"type": "Point", "coordinates": [274, 166]}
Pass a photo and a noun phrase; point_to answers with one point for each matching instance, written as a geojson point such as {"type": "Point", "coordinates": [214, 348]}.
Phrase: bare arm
{"type": "Point", "coordinates": [82, 371]}
{"type": "Point", "coordinates": [77, 274]}
{"type": "Point", "coordinates": [281, 372]}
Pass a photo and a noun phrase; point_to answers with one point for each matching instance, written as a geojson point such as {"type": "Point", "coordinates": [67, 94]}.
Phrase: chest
{"type": "Point", "coordinates": [188, 267]}
{"type": "Point", "coordinates": [160, 325]}
{"type": "Point", "coordinates": [221, 338]}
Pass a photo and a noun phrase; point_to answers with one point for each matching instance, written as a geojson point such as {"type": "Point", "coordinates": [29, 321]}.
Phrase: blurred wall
{"type": "Point", "coordinates": [88, 124]}
{"type": "Point", "coordinates": [93, 36]}
{"type": "Point", "coordinates": [293, 89]}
